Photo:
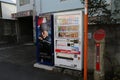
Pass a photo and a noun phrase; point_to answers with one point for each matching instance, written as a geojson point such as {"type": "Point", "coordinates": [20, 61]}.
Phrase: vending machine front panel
{"type": "Point", "coordinates": [68, 39]}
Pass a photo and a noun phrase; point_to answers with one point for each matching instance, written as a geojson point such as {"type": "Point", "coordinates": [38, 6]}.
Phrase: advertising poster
{"type": "Point", "coordinates": [45, 39]}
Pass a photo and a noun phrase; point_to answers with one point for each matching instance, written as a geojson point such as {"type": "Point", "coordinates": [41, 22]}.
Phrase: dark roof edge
{"type": "Point", "coordinates": [8, 2]}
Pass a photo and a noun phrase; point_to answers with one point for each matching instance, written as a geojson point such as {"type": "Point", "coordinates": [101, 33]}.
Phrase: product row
{"type": "Point", "coordinates": [68, 19]}
{"type": "Point", "coordinates": [68, 28]}
{"type": "Point", "coordinates": [68, 34]}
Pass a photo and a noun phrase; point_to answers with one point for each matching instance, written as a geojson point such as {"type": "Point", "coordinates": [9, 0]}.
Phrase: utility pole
{"type": "Point", "coordinates": [86, 40]}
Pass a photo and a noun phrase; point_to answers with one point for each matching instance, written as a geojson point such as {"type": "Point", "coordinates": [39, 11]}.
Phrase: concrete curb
{"type": "Point", "coordinates": [37, 65]}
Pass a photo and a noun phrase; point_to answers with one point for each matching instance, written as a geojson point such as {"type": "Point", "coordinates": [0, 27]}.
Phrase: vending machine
{"type": "Point", "coordinates": [44, 39]}
{"type": "Point", "coordinates": [68, 39]}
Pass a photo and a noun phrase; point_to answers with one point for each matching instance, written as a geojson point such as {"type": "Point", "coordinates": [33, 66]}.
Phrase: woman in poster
{"type": "Point", "coordinates": [44, 36]}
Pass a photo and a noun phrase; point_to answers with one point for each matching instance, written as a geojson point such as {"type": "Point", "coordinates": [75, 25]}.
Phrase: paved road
{"type": "Point", "coordinates": [16, 63]}
{"type": "Point", "coordinates": [18, 54]}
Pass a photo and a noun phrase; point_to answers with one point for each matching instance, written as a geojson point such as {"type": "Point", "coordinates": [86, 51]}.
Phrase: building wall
{"type": "Point", "coordinates": [1, 28]}
{"type": "Point", "coordinates": [24, 7]}
{"type": "Point", "coordinates": [7, 30]}
{"type": "Point", "coordinates": [45, 6]}
{"type": "Point", "coordinates": [0, 10]}
{"type": "Point", "coordinates": [112, 46]}
{"type": "Point", "coordinates": [7, 10]}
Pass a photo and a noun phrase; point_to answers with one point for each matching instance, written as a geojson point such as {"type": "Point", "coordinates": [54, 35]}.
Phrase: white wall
{"type": "Point", "coordinates": [57, 5]}
{"type": "Point", "coordinates": [7, 10]}
{"type": "Point", "coordinates": [24, 7]}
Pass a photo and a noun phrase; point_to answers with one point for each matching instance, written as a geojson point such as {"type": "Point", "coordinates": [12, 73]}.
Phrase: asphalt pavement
{"type": "Point", "coordinates": [16, 63]}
